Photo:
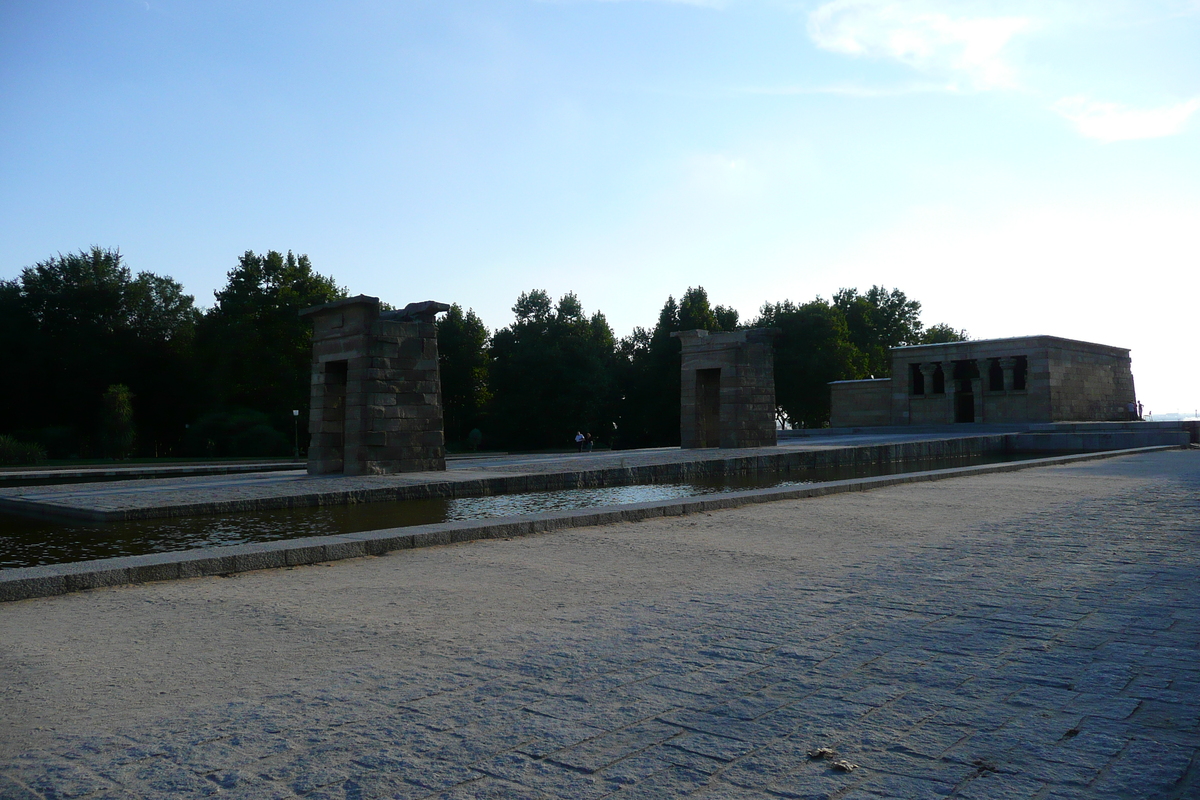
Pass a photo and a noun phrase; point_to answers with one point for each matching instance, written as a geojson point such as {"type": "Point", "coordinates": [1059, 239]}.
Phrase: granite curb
{"type": "Point", "coordinates": [24, 583]}
{"type": "Point", "coordinates": [53, 477]}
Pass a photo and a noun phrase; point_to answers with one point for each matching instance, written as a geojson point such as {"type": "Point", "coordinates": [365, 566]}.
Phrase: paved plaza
{"type": "Point", "coordinates": [1032, 634]}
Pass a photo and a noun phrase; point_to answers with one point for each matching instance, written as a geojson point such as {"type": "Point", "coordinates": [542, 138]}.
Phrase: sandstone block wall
{"type": "Point", "coordinates": [1025, 379]}
{"type": "Point", "coordinates": [376, 389]}
{"type": "Point", "coordinates": [1090, 383]}
{"type": "Point", "coordinates": [727, 393]}
{"type": "Point", "coordinates": [858, 404]}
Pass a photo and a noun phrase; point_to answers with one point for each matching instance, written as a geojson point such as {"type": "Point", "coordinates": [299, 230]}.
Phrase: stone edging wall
{"type": "Point", "coordinates": [786, 462]}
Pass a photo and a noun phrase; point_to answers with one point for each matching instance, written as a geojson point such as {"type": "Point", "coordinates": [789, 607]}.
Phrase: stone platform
{"type": "Point", "coordinates": [503, 474]}
{"type": "Point", "coordinates": [24, 476]}
{"type": "Point", "coordinates": [466, 477]}
{"type": "Point", "coordinates": [22, 583]}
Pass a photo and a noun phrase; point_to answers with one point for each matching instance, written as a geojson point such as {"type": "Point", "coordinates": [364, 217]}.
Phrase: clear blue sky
{"type": "Point", "coordinates": [1018, 167]}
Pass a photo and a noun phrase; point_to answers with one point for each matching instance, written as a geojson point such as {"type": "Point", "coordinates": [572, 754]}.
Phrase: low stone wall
{"type": "Point", "coordinates": [860, 404]}
{"type": "Point", "coordinates": [786, 463]}
{"type": "Point", "coordinates": [1192, 426]}
{"type": "Point", "coordinates": [57, 476]}
{"type": "Point", "coordinates": [1099, 440]}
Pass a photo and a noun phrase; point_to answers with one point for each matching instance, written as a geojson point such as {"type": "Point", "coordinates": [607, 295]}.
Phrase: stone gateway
{"type": "Point", "coordinates": [376, 400]}
{"type": "Point", "coordinates": [727, 391]}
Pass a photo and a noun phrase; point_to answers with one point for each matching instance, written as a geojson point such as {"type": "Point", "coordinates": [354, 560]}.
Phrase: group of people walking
{"type": "Point", "coordinates": [584, 441]}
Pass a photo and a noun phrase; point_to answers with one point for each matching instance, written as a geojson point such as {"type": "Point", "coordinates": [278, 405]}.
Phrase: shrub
{"type": "Point", "coordinates": [261, 441]}
{"type": "Point", "coordinates": [116, 424]}
{"type": "Point", "coordinates": [13, 452]}
{"type": "Point", "coordinates": [237, 432]}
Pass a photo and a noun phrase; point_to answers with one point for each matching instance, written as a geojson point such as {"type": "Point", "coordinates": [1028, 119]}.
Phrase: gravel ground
{"type": "Point", "coordinates": [1028, 635]}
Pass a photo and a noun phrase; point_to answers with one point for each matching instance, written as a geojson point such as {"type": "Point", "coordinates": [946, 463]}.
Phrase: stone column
{"type": "Point", "coordinates": [927, 370]}
{"type": "Point", "coordinates": [1009, 365]}
{"type": "Point", "coordinates": [977, 384]}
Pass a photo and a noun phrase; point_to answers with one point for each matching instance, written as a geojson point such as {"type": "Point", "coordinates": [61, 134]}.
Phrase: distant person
{"type": "Point", "coordinates": [587, 441]}
{"type": "Point", "coordinates": [475, 438]}
{"type": "Point", "coordinates": [1140, 410]}
{"type": "Point", "coordinates": [579, 439]}
{"type": "Point", "coordinates": [1131, 410]}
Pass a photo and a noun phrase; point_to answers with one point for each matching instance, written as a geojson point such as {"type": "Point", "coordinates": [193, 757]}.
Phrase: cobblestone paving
{"type": "Point", "coordinates": [1056, 655]}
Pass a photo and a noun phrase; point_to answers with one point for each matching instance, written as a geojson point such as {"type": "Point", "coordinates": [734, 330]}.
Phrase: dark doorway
{"type": "Point", "coordinates": [1020, 371]}
{"type": "Point", "coordinates": [995, 376]}
{"type": "Point", "coordinates": [708, 407]}
{"type": "Point", "coordinates": [916, 379]}
{"type": "Point", "coordinates": [335, 414]}
{"type": "Point", "coordinates": [964, 403]}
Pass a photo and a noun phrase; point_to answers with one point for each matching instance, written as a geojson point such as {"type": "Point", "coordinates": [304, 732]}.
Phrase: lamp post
{"type": "Point", "coordinates": [296, 434]}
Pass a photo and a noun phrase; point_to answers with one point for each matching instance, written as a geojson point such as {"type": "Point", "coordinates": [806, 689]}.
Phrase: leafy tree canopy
{"type": "Point", "coordinates": [107, 360]}
{"type": "Point", "coordinates": [257, 316]}
{"type": "Point", "coordinates": [271, 285]}
{"type": "Point", "coordinates": [533, 307]}
{"type": "Point", "coordinates": [92, 293]}
{"type": "Point", "coordinates": [73, 325]}
{"type": "Point", "coordinates": [648, 366]}
{"type": "Point", "coordinates": [551, 374]}
{"type": "Point", "coordinates": [941, 333]}
{"type": "Point", "coordinates": [877, 320]}
{"type": "Point", "coordinates": [463, 361]}
{"type": "Point", "coordinates": [812, 349]}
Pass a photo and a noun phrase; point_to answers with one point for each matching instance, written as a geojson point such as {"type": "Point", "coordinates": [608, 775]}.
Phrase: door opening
{"type": "Point", "coordinates": [964, 403]}
{"type": "Point", "coordinates": [708, 407]}
{"type": "Point", "coordinates": [335, 413]}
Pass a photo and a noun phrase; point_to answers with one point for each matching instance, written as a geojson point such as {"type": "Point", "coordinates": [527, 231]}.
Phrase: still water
{"type": "Point", "coordinates": [30, 542]}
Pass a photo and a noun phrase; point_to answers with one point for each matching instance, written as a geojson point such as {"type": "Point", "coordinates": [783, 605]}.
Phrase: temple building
{"type": "Point", "coordinates": [1024, 379]}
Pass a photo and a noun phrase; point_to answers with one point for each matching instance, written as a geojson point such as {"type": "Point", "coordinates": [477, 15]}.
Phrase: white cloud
{"type": "Point", "coordinates": [1110, 122]}
{"type": "Point", "coordinates": [966, 51]}
{"type": "Point", "coordinates": [845, 90]}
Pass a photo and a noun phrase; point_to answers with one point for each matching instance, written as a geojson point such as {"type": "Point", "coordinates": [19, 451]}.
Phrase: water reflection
{"type": "Point", "coordinates": [30, 542]}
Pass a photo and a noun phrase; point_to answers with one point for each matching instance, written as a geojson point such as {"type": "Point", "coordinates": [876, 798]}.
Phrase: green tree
{"type": "Point", "coordinates": [941, 333]}
{"type": "Point", "coordinates": [463, 361]}
{"type": "Point", "coordinates": [727, 318]}
{"type": "Point", "coordinates": [648, 380]}
{"type": "Point", "coordinates": [695, 313]}
{"type": "Point", "coordinates": [116, 426]}
{"type": "Point", "coordinates": [812, 349]}
{"type": "Point", "coordinates": [78, 323]}
{"type": "Point", "coordinates": [23, 402]}
{"type": "Point", "coordinates": [255, 348]}
{"type": "Point", "coordinates": [551, 374]}
{"type": "Point", "coordinates": [648, 369]}
{"type": "Point", "coordinates": [878, 320]}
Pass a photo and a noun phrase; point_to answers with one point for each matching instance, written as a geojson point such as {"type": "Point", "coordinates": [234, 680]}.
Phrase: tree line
{"type": "Point", "coordinates": [104, 363]}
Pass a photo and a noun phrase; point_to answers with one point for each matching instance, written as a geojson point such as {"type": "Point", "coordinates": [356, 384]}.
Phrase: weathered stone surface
{"type": "Point", "coordinates": [370, 369]}
{"type": "Point", "coordinates": [727, 388]}
{"type": "Point", "coordinates": [1026, 379]}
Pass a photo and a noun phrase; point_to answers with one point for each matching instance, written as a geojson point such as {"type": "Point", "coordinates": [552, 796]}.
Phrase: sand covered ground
{"type": "Point", "coordinates": [919, 629]}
